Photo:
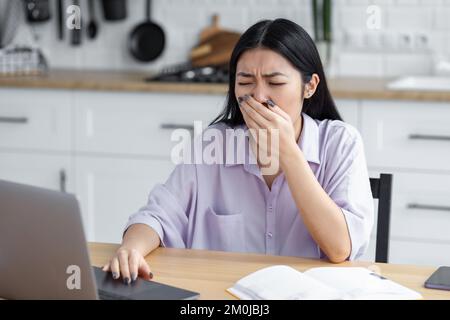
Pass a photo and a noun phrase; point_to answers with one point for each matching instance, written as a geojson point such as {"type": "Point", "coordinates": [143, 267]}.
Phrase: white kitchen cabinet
{"type": "Point", "coordinates": [410, 251]}
{"type": "Point", "coordinates": [420, 217]}
{"type": "Point", "coordinates": [421, 206]}
{"type": "Point", "coordinates": [111, 189]}
{"type": "Point", "coordinates": [47, 171]}
{"type": "Point", "coordinates": [413, 135]}
{"type": "Point", "coordinates": [349, 111]}
{"type": "Point", "coordinates": [412, 141]}
{"type": "Point", "coordinates": [35, 119]}
{"type": "Point", "coordinates": [138, 123]}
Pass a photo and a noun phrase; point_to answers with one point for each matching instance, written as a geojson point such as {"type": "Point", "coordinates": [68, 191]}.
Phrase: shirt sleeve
{"type": "Point", "coordinates": [347, 183]}
{"type": "Point", "coordinates": [169, 206]}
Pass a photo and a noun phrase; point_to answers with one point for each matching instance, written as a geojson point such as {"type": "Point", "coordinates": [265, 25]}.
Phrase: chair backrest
{"type": "Point", "coordinates": [382, 190]}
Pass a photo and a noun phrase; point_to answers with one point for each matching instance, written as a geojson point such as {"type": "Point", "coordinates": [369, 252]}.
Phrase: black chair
{"type": "Point", "coordinates": [382, 190]}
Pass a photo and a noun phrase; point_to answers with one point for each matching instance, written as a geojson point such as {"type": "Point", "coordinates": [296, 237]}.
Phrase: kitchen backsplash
{"type": "Point", "coordinates": [412, 34]}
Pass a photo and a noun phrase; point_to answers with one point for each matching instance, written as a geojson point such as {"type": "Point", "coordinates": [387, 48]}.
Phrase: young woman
{"type": "Point", "coordinates": [317, 203]}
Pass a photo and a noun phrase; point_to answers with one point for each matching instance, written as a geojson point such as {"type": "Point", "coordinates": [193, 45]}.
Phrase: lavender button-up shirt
{"type": "Point", "coordinates": [229, 207]}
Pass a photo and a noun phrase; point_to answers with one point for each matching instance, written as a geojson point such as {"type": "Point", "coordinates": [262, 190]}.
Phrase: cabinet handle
{"type": "Point", "coordinates": [428, 137]}
{"type": "Point", "coordinates": [173, 126]}
{"type": "Point", "coordinates": [18, 120]}
{"type": "Point", "coordinates": [62, 180]}
{"type": "Point", "coordinates": [428, 207]}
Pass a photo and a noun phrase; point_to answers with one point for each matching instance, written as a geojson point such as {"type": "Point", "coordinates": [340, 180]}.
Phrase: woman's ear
{"type": "Point", "coordinates": [311, 86]}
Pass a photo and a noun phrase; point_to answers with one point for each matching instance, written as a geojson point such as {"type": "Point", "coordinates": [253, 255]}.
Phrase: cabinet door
{"type": "Point", "coordinates": [427, 253]}
{"type": "Point", "coordinates": [421, 206]}
{"type": "Point", "coordinates": [111, 189]}
{"type": "Point", "coordinates": [35, 119]}
{"type": "Point", "coordinates": [420, 217]}
{"type": "Point", "coordinates": [46, 171]}
{"type": "Point", "coordinates": [138, 123]}
{"type": "Point", "coordinates": [349, 111]}
{"type": "Point", "coordinates": [412, 135]}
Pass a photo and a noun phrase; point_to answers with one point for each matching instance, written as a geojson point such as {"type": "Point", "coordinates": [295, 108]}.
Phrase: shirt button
{"type": "Point", "coordinates": [270, 235]}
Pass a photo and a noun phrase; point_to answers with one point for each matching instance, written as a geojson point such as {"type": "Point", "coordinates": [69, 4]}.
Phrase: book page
{"type": "Point", "coordinates": [361, 283]}
{"type": "Point", "coordinates": [282, 283]}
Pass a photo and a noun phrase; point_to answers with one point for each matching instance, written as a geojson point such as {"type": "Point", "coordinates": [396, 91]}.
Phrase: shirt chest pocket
{"type": "Point", "coordinates": [225, 231]}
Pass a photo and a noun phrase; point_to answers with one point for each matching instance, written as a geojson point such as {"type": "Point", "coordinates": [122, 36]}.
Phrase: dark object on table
{"type": "Point", "coordinates": [440, 279]}
{"type": "Point", "coordinates": [110, 289]}
{"type": "Point", "coordinates": [114, 10]}
{"type": "Point", "coordinates": [147, 40]}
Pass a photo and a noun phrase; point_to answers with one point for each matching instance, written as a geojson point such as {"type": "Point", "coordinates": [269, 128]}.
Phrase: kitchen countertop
{"type": "Point", "coordinates": [341, 88]}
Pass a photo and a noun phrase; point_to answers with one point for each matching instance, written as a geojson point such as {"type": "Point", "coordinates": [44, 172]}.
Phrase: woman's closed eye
{"type": "Point", "coordinates": [270, 83]}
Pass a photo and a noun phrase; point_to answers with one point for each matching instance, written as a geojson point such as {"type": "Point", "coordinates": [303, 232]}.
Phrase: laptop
{"type": "Point", "coordinates": [44, 254]}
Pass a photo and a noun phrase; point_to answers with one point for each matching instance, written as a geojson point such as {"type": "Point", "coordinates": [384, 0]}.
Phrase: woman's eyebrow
{"type": "Point", "coordinates": [274, 74]}
{"type": "Point", "coordinates": [267, 75]}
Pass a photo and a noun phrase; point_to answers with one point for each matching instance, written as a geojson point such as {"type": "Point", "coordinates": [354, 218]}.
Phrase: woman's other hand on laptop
{"type": "Point", "coordinates": [128, 263]}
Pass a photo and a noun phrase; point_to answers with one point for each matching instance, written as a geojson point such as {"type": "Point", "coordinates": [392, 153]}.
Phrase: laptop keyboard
{"type": "Point", "coordinates": [106, 295]}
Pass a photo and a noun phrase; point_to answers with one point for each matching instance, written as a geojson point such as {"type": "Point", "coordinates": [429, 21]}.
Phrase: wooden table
{"type": "Point", "coordinates": [210, 272]}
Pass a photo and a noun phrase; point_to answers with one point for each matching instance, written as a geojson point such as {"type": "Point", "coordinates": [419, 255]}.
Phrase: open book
{"type": "Point", "coordinates": [330, 283]}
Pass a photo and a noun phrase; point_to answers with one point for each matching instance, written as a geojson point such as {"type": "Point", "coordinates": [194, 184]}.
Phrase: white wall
{"type": "Point", "coordinates": [358, 52]}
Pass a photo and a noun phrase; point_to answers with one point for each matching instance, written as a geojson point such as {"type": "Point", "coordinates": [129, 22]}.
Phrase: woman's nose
{"type": "Point", "coordinates": [260, 95]}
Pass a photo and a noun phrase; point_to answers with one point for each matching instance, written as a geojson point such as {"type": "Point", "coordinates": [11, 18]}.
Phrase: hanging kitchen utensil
{"type": "Point", "coordinates": [60, 19]}
{"type": "Point", "coordinates": [147, 40]}
{"type": "Point", "coordinates": [10, 20]}
{"type": "Point", "coordinates": [92, 27]}
{"type": "Point", "coordinates": [76, 32]}
{"type": "Point", "coordinates": [114, 10]}
{"type": "Point", "coordinates": [3, 7]}
{"type": "Point", "coordinates": [37, 10]}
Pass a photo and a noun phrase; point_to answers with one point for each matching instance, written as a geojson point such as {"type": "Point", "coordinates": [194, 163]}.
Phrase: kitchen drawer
{"type": "Point", "coordinates": [138, 124]}
{"type": "Point", "coordinates": [420, 206]}
{"type": "Point", "coordinates": [419, 253]}
{"type": "Point", "coordinates": [406, 134]}
{"type": "Point", "coordinates": [35, 119]}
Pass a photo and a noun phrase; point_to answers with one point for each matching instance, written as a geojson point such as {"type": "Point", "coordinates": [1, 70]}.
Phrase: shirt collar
{"type": "Point", "coordinates": [308, 143]}
{"type": "Point", "coordinates": [309, 139]}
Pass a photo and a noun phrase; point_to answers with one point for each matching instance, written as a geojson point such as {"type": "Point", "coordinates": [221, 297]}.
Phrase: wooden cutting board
{"type": "Point", "coordinates": [215, 45]}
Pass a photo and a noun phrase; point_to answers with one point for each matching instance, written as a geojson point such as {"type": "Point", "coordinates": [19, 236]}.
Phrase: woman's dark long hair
{"type": "Point", "coordinates": [294, 43]}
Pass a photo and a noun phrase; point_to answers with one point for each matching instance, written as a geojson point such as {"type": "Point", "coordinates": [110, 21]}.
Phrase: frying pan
{"type": "Point", "coordinates": [147, 40]}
